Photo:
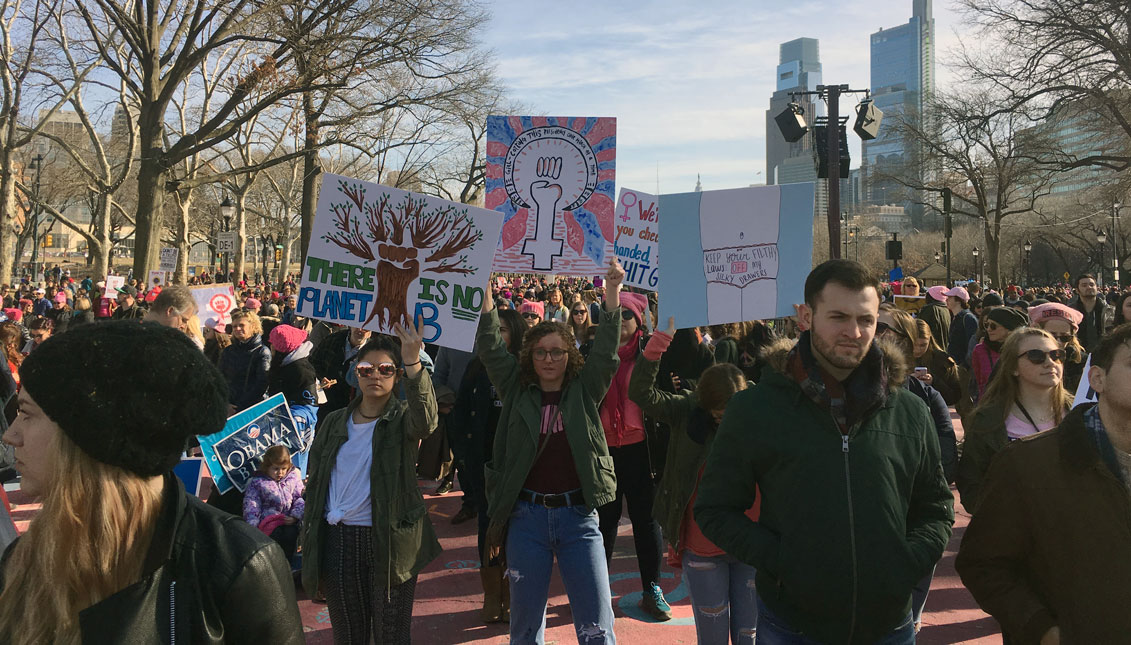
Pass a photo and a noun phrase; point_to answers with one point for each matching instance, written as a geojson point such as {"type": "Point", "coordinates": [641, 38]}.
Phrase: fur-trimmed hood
{"type": "Point", "coordinates": [895, 361]}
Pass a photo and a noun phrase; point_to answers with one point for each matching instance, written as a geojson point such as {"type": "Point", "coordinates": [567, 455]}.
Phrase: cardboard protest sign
{"type": "Point", "coordinates": [169, 258]}
{"type": "Point", "coordinates": [735, 255]}
{"type": "Point", "coordinates": [156, 279]}
{"type": "Point", "coordinates": [637, 242]}
{"type": "Point", "coordinates": [233, 454]}
{"type": "Point", "coordinates": [113, 283]}
{"type": "Point", "coordinates": [214, 304]}
{"type": "Point", "coordinates": [553, 179]}
{"type": "Point", "coordinates": [380, 256]}
{"type": "Point", "coordinates": [910, 304]}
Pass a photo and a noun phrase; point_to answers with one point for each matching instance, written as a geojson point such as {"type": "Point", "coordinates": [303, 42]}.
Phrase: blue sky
{"type": "Point", "coordinates": [689, 81]}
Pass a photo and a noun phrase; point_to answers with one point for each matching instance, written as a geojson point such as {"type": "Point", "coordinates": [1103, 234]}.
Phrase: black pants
{"type": "Point", "coordinates": [634, 484]}
{"type": "Point", "coordinates": [361, 607]}
{"type": "Point", "coordinates": [287, 537]}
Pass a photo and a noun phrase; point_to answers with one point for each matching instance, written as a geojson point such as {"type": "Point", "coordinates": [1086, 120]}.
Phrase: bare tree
{"type": "Point", "coordinates": [1053, 56]}
{"type": "Point", "coordinates": [987, 158]}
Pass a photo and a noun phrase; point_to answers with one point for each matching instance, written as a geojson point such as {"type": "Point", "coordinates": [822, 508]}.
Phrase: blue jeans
{"type": "Point", "coordinates": [536, 535]}
{"type": "Point", "coordinates": [723, 598]}
{"type": "Point", "coordinates": [772, 630]}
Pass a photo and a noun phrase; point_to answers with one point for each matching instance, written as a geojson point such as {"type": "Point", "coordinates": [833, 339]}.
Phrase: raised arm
{"type": "Point", "coordinates": [662, 406]}
{"type": "Point", "coordinates": [422, 416]}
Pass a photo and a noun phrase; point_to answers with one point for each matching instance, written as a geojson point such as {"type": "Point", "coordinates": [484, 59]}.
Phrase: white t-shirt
{"type": "Point", "coordinates": [348, 500]}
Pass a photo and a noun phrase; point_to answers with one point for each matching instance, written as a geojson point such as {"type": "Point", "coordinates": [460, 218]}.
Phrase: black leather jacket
{"type": "Point", "coordinates": [208, 577]}
{"type": "Point", "coordinates": [244, 365]}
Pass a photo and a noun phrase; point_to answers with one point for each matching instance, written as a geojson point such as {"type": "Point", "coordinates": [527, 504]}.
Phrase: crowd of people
{"type": "Point", "coordinates": [797, 470]}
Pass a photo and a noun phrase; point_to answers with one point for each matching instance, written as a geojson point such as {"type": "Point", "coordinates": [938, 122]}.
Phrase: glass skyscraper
{"type": "Point", "coordinates": [903, 82]}
{"type": "Point", "coordinates": [799, 70]}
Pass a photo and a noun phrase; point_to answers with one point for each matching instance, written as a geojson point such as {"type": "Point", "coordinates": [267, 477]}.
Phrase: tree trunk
{"type": "Point", "coordinates": [241, 235]}
{"type": "Point", "coordinates": [285, 261]}
{"type": "Point", "coordinates": [391, 298]}
{"type": "Point", "coordinates": [10, 207]}
{"type": "Point", "coordinates": [150, 208]}
{"type": "Point", "coordinates": [311, 174]}
{"type": "Point", "coordinates": [99, 248]}
{"type": "Point", "coordinates": [184, 247]}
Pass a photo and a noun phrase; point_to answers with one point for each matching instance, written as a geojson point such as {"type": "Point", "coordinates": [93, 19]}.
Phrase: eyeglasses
{"type": "Point", "coordinates": [531, 315]}
{"type": "Point", "coordinates": [992, 326]}
{"type": "Point", "coordinates": [1037, 357]}
{"type": "Point", "coordinates": [579, 312]}
{"type": "Point", "coordinates": [367, 370]}
{"type": "Point", "coordinates": [554, 355]}
{"type": "Point", "coordinates": [627, 315]}
{"type": "Point", "coordinates": [1063, 339]}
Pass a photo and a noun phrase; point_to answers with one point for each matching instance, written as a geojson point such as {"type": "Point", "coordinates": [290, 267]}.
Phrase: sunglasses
{"type": "Point", "coordinates": [883, 328]}
{"type": "Point", "coordinates": [367, 370]}
{"type": "Point", "coordinates": [1063, 339]}
{"type": "Point", "coordinates": [992, 326]}
{"type": "Point", "coordinates": [554, 355]}
{"type": "Point", "coordinates": [627, 315]}
{"type": "Point", "coordinates": [531, 315]}
{"type": "Point", "coordinates": [579, 312]}
{"type": "Point", "coordinates": [1037, 357]}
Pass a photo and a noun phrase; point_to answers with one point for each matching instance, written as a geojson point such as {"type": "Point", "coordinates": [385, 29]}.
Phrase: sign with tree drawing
{"type": "Point", "coordinates": [380, 256]}
{"type": "Point", "coordinates": [553, 180]}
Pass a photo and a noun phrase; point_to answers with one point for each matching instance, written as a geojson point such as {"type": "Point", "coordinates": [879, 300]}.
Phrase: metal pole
{"type": "Point", "coordinates": [35, 221]}
{"type": "Point", "coordinates": [1114, 243]}
{"type": "Point", "coordinates": [833, 181]}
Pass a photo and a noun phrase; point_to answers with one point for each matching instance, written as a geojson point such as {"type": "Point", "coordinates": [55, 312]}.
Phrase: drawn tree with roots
{"type": "Point", "coordinates": [402, 239]}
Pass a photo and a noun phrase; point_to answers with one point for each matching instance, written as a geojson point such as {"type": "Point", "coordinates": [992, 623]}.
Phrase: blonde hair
{"type": "Point", "coordinates": [252, 320]}
{"type": "Point", "coordinates": [88, 542]}
{"type": "Point", "coordinates": [924, 331]}
{"type": "Point", "coordinates": [1003, 388]}
{"type": "Point", "coordinates": [195, 331]}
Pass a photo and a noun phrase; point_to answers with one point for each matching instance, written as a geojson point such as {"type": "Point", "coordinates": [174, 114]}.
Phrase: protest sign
{"type": "Point", "coordinates": [1084, 391]}
{"type": "Point", "coordinates": [637, 242]}
{"type": "Point", "coordinates": [233, 454]}
{"type": "Point", "coordinates": [380, 256]}
{"type": "Point", "coordinates": [735, 255]}
{"type": "Point", "coordinates": [214, 304]}
{"type": "Point", "coordinates": [553, 179]}
{"type": "Point", "coordinates": [910, 304]}
{"type": "Point", "coordinates": [156, 279]}
{"type": "Point", "coordinates": [169, 258]}
{"type": "Point", "coordinates": [113, 283]}
{"type": "Point", "coordinates": [190, 471]}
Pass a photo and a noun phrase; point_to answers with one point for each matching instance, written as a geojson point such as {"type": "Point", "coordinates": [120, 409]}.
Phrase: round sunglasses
{"type": "Point", "coordinates": [1037, 357]}
{"type": "Point", "coordinates": [367, 370]}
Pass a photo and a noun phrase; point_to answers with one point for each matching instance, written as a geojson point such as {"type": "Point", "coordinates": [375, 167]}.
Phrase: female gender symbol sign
{"type": "Point", "coordinates": [221, 304]}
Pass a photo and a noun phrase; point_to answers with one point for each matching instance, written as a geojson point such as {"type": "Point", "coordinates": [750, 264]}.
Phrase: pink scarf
{"type": "Point", "coordinates": [622, 419]}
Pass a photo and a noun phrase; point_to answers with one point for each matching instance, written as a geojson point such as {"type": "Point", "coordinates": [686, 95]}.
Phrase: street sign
{"type": "Point", "coordinates": [169, 258]}
{"type": "Point", "coordinates": [226, 242]}
{"type": "Point", "coordinates": [1067, 275]}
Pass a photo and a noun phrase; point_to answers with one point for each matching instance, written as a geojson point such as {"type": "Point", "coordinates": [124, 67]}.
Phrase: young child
{"type": "Point", "coordinates": [273, 499]}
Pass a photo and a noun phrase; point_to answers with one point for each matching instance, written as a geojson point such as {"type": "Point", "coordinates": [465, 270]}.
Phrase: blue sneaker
{"type": "Point", "coordinates": [653, 603]}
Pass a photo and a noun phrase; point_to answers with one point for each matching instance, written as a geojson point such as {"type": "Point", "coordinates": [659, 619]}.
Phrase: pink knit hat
{"type": "Point", "coordinates": [1053, 310]}
{"type": "Point", "coordinates": [531, 306]}
{"type": "Point", "coordinates": [636, 303]}
{"type": "Point", "coordinates": [287, 339]}
{"type": "Point", "coordinates": [252, 303]}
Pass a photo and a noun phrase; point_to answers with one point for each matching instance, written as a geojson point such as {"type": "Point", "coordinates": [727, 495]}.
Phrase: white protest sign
{"type": "Point", "coordinates": [638, 240]}
{"type": "Point", "coordinates": [156, 279]}
{"type": "Point", "coordinates": [113, 283]}
{"type": "Point", "coordinates": [169, 258]}
{"type": "Point", "coordinates": [380, 256]}
{"type": "Point", "coordinates": [214, 304]}
{"type": "Point", "coordinates": [1084, 391]}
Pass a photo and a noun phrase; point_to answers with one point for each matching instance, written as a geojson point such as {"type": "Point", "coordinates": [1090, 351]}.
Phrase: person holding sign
{"type": "Point", "coordinates": [551, 468]}
{"type": "Point", "coordinates": [366, 532]}
{"type": "Point", "coordinates": [120, 553]}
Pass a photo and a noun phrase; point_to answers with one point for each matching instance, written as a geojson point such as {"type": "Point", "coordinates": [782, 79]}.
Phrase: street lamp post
{"type": "Point", "coordinates": [1115, 242]}
{"type": "Point", "coordinates": [977, 271]}
{"type": "Point", "coordinates": [37, 163]}
{"type": "Point", "coordinates": [226, 211]}
{"type": "Point", "coordinates": [1101, 237]}
{"type": "Point", "coordinates": [1027, 262]}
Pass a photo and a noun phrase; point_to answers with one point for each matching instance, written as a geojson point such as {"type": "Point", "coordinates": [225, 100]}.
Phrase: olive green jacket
{"type": "Point", "coordinates": [403, 539]}
{"type": "Point", "coordinates": [985, 437]}
{"type": "Point", "coordinates": [520, 423]}
{"type": "Point", "coordinates": [685, 457]}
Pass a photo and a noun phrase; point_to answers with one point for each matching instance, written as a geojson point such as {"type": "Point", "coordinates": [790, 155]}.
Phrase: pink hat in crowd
{"type": "Point", "coordinates": [14, 314]}
{"type": "Point", "coordinates": [287, 339]}
{"type": "Point", "coordinates": [958, 292]}
{"type": "Point", "coordinates": [937, 292]}
{"type": "Point", "coordinates": [61, 297]}
{"type": "Point", "coordinates": [252, 303]}
{"type": "Point", "coordinates": [636, 303]}
{"type": "Point", "coordinates": [1055, 310]}
{"type": "Point", "coordinates": [532, 307]}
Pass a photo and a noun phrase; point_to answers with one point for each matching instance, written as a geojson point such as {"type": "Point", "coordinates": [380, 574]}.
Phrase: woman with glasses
{"type": "Point", "coordinates": [937, 368]}
{"type": "Point", "coordinates": [532, 312]}
{"type": "Point", "coordinates": [1025, 396]}
{"type": "Point", "coordinates": [1063, 322]}
{"type": "Point", "coordinates": [998, 322]}
{"type": "Point", "coordinates": [366, 532]}
{"type": "Point", "coordinates": [550, 469]}
{"type": "Point", "coordinates": [579, 324]}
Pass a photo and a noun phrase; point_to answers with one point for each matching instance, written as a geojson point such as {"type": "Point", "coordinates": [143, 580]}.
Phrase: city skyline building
{"type": "Point", "coordinates": [902, 85]}
{"type": "Point", "coordinates": [798, 70]}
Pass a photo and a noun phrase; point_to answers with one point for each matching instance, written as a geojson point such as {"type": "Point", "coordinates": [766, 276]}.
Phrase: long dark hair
{"type": "Point", "coordinates": [514, 323]}
{"type": "Point", "coordinates": [1119, 319]}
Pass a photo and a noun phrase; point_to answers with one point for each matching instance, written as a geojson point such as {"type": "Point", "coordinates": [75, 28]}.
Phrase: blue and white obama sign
{"type": "Point", "coordinates": [234, 453]}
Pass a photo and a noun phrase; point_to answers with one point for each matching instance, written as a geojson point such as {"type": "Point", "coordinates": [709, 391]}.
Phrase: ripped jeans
{"type": "Point", "coordinates": [536, 535]}
{"type": "Point", "coordinates": [723, 598]}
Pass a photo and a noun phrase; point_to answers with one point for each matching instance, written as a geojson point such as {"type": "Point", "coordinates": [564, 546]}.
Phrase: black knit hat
{"type": "Point", "coordinates": [1008, 317]}
{"type": "Point", "coordinates": [127, 394]}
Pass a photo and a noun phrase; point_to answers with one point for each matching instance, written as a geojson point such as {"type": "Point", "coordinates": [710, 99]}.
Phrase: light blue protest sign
{"type": "Point", "coordinates": [233, 454]}
{"type": "Point", "coordinates": [734, 255]}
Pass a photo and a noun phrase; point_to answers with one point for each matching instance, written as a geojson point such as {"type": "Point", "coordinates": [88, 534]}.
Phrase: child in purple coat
{"type": "Point", "coordinates": [273, 500]}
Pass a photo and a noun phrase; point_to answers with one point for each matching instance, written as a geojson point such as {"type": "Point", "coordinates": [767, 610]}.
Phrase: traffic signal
{"type": "Point", "coordinates": [278, 254]}
{"type": "Point", "coordinates": [48, 242]}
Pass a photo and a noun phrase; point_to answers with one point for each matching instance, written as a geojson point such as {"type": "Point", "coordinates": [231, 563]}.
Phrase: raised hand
{"type": "Point", "coordinates": [614, 277]}
{"type": "Point", "coordinates": [412, 342]}
{"type": "Point", "coordinates": [670, 329]}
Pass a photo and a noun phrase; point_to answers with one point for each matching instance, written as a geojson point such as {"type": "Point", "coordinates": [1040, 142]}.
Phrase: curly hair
{"type": "Point", "coordinates": [527, 373]}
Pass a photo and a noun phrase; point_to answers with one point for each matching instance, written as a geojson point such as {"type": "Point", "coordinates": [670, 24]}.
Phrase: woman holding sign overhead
{"type": "Point", "coordinates": [550, 469]}
{"type": "Point", "coordinates": [366, 532]}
